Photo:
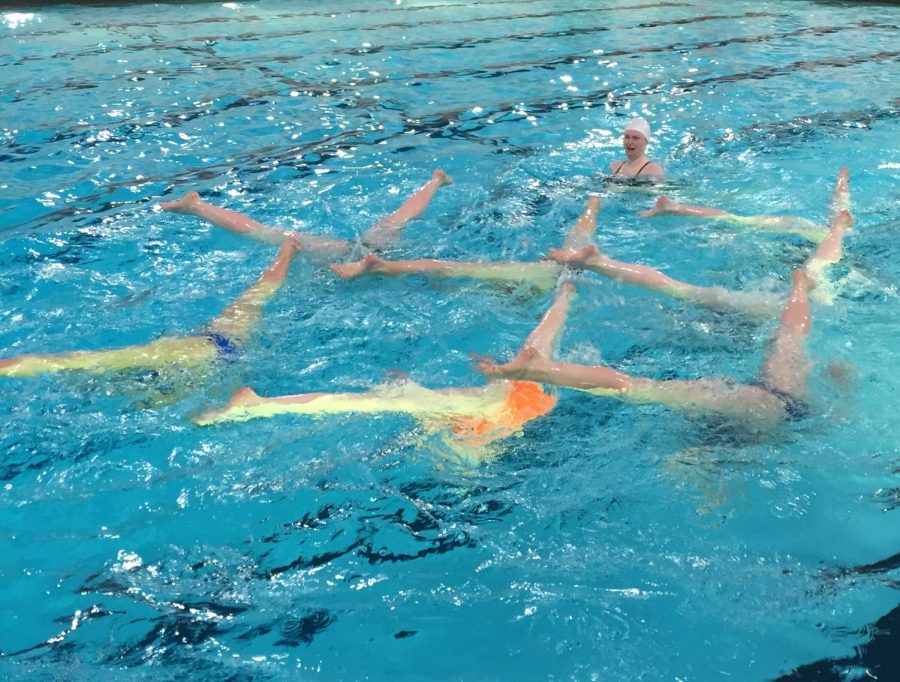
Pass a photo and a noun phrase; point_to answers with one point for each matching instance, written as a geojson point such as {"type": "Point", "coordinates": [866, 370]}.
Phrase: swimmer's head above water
{"type": "Point", "coordinates": [634, 142]}
{"type": "Point", "coordinates": [639, 125]}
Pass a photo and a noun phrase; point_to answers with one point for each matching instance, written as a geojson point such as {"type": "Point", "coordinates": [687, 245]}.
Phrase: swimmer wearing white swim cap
{"type": "Point", "coordinates": [637, 165]}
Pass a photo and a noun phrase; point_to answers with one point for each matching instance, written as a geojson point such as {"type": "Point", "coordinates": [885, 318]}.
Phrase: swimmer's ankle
{"type": "Point", "coordinates": [441, 178]}
{"type": "Point", "coordinates": [188, 204]}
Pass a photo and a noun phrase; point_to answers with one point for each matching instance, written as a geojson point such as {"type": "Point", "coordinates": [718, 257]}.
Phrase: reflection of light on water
{"type": "Point", "coordinates": [16, 19]}
{"type": "Point", "coordinates": [596, 139]}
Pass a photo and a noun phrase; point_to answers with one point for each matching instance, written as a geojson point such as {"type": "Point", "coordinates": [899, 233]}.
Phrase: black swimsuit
{"type": "Point", "coordinates": [795, 409]}
{"type": "Point", "coordinates": [636, 174]}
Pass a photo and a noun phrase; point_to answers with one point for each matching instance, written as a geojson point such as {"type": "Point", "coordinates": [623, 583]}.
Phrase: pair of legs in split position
{"type": "Point", "coordinates": [778, 395]}
{"type": "Point", "coordinates": [840, 201]}
{"type": "Point", "coordinates": [224, 336]}
{"type": "Point", "coordinates": [384, 231]}
{"type": "Point", "coordinates": [827, 253]}
{"type": "Point", "coordinates": [231, 329]}
{"type": "Point", "coordinates": [543, 274]}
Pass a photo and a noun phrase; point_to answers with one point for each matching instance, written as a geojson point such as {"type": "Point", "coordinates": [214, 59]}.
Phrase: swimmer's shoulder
{"type": "Point", "coordinates": [655, 171]}
{"type": "Point", "coordinates": [651, 172]}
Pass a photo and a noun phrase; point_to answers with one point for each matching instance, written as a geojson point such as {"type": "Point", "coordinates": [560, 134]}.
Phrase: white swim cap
{"type": "Point", "coordinates": [639, 125]}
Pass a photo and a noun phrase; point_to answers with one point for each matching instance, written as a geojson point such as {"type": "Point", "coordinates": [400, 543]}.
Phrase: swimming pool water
{"type": "Point", "coordinates": [610, 541]}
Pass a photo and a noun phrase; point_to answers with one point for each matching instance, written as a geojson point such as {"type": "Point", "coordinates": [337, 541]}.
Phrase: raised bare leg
{"type": "Point", "coordinates": [580, 235]}
{"type": "Point", "coordinates": [543, 337]}
{"type": "Point", "coordinates": [764, 223]}
{"type": "Point", "coordinates": [665, 206]}
{"type": "Point", "coordinates": [645, 277]}
{"type": "Point", "coordinates": [389, 227]}
{"type": "Point", "coordinates": [840, 198]}
{"type": "Point", "coordinates": [238, 318]}
{"type": "Point", "coordinates": [233, 221]}
{"type": "Point", "coordinates": [785, 368]}
{"type": "Point", "coordinates": [192, 204]}
{"type": "Point", "coordinates": [541, 273]}
{"type": "Point", "coordinates": [590, 258]}
{"type": "Point", "coordinates": [831, 249]}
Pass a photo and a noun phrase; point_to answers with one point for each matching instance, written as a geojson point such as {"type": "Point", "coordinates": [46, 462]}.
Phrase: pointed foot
{"type": "Point", "coordinates": [662, 206]}
{"type": "Point", "coordinates": [526, 361]}
{"type": "Point", "coordinates": [578, 258]}
{"type": "Point", "coordinates": [441, 178]}
{"type": "Point", "coordinates": [186, 204]}
{"type": "Point", "coordinates": [360, 267]}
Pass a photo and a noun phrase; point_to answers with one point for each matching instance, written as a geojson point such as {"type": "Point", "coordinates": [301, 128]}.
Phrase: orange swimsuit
{"type": "Point", "coordinates": [525, 401]}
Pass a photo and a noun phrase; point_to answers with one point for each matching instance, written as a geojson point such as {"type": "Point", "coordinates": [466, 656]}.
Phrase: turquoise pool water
{"type": "Point", "coordinates": [610, 541]}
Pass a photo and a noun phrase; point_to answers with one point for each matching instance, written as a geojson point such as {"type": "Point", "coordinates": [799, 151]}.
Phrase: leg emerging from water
{"type": "Point", "coordinates": [388, 228]}
{"type": "Point", "coordinates": [840, 198]}
{"type": "Point", "coordinates": [545, 336]}
{"type": "Point", "coordinates": [830, 250]}
{"type": "Point", "coordinates": [785, 368]}
{"type": "Point", "coordinates": [192, 204]}
{"type": "Point", "coordinates": [591, 258]}
{"type": "Point", "coordinates": [583, 231]}
{"type": "Point", "coordinates": [665, 206]}
{"type": "Point", "coordinates": [238, 319]}
{"type": "Point", "coordinates": [764, 223]}
{"type": "Point", "coordinates": [704, 396]}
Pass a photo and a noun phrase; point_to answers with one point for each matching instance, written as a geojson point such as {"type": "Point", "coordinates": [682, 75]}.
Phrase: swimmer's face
{"type": "Point", "coordinates": [634, 143]}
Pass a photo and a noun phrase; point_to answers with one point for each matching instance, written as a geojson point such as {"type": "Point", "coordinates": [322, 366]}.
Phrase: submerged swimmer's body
{"type": "Point", "coordinates": [779, 395]}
